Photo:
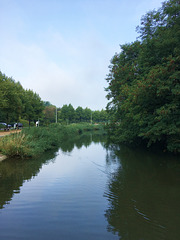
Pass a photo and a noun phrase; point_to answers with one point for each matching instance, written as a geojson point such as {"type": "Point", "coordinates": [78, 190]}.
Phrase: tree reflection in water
{"type": "Point", "coordinates": [143, 195]}
{"type": "Point", "coordinates": [14, 172]}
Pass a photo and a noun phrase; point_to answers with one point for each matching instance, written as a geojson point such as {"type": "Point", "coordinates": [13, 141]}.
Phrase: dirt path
{"type": "Point", "coordinates": [4, 133]}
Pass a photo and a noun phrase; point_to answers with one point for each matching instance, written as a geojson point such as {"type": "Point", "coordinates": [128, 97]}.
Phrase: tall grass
{"type": "Point", "coordinates": [15, 145]}
{"type": "Point", "coordinates": [33, 141]}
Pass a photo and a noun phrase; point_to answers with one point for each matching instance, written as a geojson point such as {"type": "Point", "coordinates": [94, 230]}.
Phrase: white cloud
{"type": "Point", "coordinates": [79, 82]}
{"type": "Point", "coordinates": [65, 57]}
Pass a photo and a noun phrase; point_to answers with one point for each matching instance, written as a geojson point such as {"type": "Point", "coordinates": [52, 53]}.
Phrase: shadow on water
{"type": "Point", "coordinates": [143, 195]}
{"type": "Point", "coordinates": [14, 172]}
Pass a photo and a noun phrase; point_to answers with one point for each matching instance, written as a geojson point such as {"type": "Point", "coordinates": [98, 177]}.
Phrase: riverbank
{"type": "Point", "coordinates": [2, 157]}
{"type": "Point", "coordinates": [34, 141]}
{"type": "Point", "coordinates": [3, 134]}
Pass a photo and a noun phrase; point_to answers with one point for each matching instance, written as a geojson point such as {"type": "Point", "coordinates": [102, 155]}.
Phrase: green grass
{"type": "Point", "coordinates": [33, 141]}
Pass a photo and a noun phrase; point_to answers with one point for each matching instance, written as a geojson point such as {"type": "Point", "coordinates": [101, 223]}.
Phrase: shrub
{"type": "Point", "coordinates": [36, 140]}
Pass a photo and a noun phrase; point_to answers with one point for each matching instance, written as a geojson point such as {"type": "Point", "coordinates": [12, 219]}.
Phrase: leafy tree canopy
{"type": "Point", "coordinates": [16, 102]}
{"type": "Point", "coordinates": [144, 83]}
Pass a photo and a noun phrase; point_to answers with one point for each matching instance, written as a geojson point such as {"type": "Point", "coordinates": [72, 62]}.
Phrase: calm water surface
{"type": "Point", "coordinates": [88, 191]}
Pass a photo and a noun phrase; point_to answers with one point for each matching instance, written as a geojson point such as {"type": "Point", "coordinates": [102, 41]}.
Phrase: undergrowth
{"type": "Point", "coordinates": [33, 141]}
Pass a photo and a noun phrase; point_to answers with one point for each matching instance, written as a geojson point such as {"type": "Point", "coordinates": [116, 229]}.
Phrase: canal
{"type": "Point", "coordinates": [88, 190]}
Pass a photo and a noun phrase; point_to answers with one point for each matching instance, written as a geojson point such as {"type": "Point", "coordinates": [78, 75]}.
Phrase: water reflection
{"type": "Point", "coordinates": [14, 172]}
{"type": "Point", "coordinates": [143, 195]}
{"type": "Point", "coordinates": [82, 140]}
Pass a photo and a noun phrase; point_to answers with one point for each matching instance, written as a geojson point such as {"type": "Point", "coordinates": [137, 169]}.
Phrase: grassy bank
{"type": "Point", "coordinates": [31, 142]}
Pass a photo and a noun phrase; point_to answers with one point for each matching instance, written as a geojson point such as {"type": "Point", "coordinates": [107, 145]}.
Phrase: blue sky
{"type": "Point", "coordinates": [61, 49]}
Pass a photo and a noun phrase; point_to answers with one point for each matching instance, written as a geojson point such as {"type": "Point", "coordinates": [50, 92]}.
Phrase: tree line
{"type": "Point", "coordinates": [68, 114]}
{"type": "Point", "coordinates": [144, 83]}
{"type": "Point", "coordinates": [18, 103]}
{"type": "Point", "coordinates": [21, 105]}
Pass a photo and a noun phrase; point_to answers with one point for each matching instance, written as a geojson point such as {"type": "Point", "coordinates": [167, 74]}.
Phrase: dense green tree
{"type": "Point", "coordinates": [103, 115]}
{"type": "Point", "coordinates": [144, 82]}
{"type": "Point", "coordinates": [49, 114]}
{"type": "Point", "coordinates": [87, 114]}
{"type": "Point", "coordinates": [96, 116]}
{"type": "Point", "coordinates": [99, 116]}
{"type": "Point", "coordinates": [3, 101]}
{"type": "Point", "coordinates": [79, 114]}
{"type": "Point", "coordinates": [12, 94]}
{"type": "Point", "coordinates": [33, 106]}
{"type": "Point", "coordinates": [17, 103]}
{"type": "Point", "coordinates": [67, 113]}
